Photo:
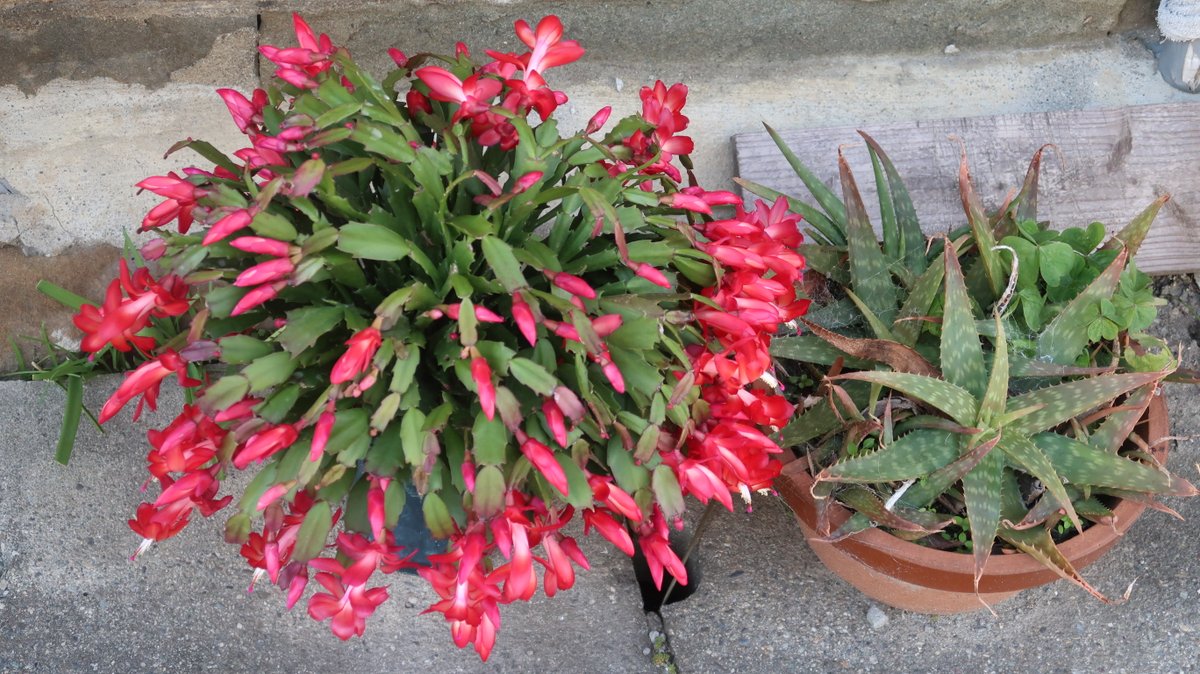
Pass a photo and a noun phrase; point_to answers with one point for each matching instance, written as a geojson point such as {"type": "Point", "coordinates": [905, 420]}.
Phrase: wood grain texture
{"type": "Point", "coordinates": [1110, 165]}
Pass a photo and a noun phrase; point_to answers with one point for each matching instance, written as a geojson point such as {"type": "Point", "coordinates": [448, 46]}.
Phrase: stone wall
{"type": "Point", "coordinates": [93, 91]}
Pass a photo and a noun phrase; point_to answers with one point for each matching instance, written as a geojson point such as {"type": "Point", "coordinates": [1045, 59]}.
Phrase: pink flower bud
{"type": "Point", "coordinates": [597, 121]}
{"type": "Point", "coordinates": [321, 435]}
{"type": "Point", "coordinates": [272, 495]}
{"type": "Point", "coordinates": [256, 297]}
{"type": "Point", "coordinates": [481, 372]}
{"type": "Point", "coordinates": [227, 225]}
{"type": "Point", "coordinates": [571, 283]}
{"type": "Point", "coordinates": [555, 421]}
{"type": "Point", "coordinates": [398, 57]}
{"type": "Point", "coordinates": [523, 315]}
{"type": "Point", "coordinates": [153, 249]}
{"type": "Point", "coordinates": [260, 245]}
{"type": "Point", "coordinates": [265, 272]}
{"type": "Point", "coordinates": [607, 324]}
{"type": "Point", "coordinates": [357, 358]}
{"type": "Point", "coordinates": [526, 181]}
{"type": "Point", "coordinates": [651, 274]}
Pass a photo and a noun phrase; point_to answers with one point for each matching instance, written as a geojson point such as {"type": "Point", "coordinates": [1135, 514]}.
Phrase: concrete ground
{"type": "Point", "coordinates": [95, 90]}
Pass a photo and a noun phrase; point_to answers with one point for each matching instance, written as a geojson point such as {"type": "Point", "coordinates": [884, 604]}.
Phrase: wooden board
{"type": "Point", "coordinates": [1111, 164]}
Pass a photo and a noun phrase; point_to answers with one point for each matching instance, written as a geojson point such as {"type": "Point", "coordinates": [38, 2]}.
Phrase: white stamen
{"type": "Point", "coordinates": [745, 492]}
{"type": "Point", "coordinates": [258, 573]}
{"type": "Point", "coordinates": [769, 379]}
{"type": "Point", "coordinates": [891, 502]}
{"type": "Point", "coordinates": [146, 543]}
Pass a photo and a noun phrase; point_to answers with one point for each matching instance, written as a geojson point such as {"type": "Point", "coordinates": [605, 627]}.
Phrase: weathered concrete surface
{"type": "Point", "coordinates": [768, 604]}
{"type": "Point", "coordinates": [144, 43]}
{"type": "Point", "coordinates": [70, 600]}
{"type": "Point", "coordinates": [23, 312]}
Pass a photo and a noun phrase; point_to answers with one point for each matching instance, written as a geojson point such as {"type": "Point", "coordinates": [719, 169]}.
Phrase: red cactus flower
{"type": "Point", "coordinates": [357, 358]}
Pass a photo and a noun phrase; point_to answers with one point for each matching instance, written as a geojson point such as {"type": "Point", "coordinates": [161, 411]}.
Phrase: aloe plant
{"type": "Point", "coordinates": [984, 381]}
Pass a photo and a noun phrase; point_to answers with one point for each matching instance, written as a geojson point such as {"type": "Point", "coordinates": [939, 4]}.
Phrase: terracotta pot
{"type": "Point", "coordinates": [917, 578]}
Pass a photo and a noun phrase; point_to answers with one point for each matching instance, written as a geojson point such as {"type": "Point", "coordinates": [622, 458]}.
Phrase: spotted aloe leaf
{"type": "Point", "coordinates": [896, 356]}
{"type": "Point", "coordinates": [1119, 425]}
{"type": "Point", "coordinates": [869, 503]}
{"type": "Point", "coordinates": [911, 238]}
{"type": "Point", "coordinates": [887, 211]}
{"type": "Point", "coordinates": [858, 522]}
{"type": "Point", "coordinates": [913, 455]}
{"type": "Point", "coordinates": [981, 229]}
{"type": "Point", "coordinates": [1066, 336]}
{"type": "Point", "coordinates": [814, 349]}
{"type": "Point", "coordinates": [1064, 401]}
{"type": "Point", "coordinates": [1084, 464]}
{"type": "Point", "coordinates": [981, 490]}
{"type": "Point", "coordinates": [953, 400]}
{"type": "Point", "coordinates": [1026, 367]}
{"type": "Point", "coordinates": [962, 353]}
{"type": "Point", "coordinates": [1028, 198]}
{"type": "Point", "coordinates": [813, 423]}
{"type": "Point", "coordinates": [877, 326]}
{"type": "Point", "coordinates": [1131, 236]}
{"type": "Point", "coordinates": [1029, 457]}
{"type": "Point", "coordinates": [1038, 544]}
{"type": "Point", "coordinates": [869, 275]}
{"type": "Point", "coordinates": [936, 483]}
{"type": "Point", "coordinates": [921, 295]}
{"type": "Point", "coordinates": [992, 405]}
{"type": "Point", "coordinates": [824, 196]}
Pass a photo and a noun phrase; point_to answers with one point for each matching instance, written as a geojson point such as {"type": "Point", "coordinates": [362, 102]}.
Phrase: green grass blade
{"type": "Point", "coordinates": [981, 490]}
{"type": "Point", "coordinates": [1066, 336]}
{"type": "Point", "coordinates": [824, 196]}
{"type": "Point", "coordinates": [869, 275]}
{"type": "Point", "coordinates": [62, 295]}
{"type": "Point", "coordinates": [981, 230]}
{"type": "Point", "coordinates": [907, 327]}
{"type": "Point", "coordinates": [955, 401]}
{"type": "Point", "coordinates": [70, 423]}
{"type": "Point", "coordinates": [1132, 235]}
{"type": "Point", "coordinates": [887, 212]}
{"type": "Point", "coordinates": [962, 354]}
{"type": "Point", "coordinates": [913, 455]}
{"type": "Point", "coordinates": [820, 222]}
{"type": "Point", "coordinates": [1028, 456]}
{"type": "Point", "coordinates": [1063, 401]}
{"type": "Point", "coordinates": [912, 239]}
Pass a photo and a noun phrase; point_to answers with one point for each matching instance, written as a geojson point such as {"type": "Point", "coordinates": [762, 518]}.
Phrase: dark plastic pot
{"type": "Point", "coordinates": [916, 578]}
{"type": "Point", "coordinates": [411, 531]}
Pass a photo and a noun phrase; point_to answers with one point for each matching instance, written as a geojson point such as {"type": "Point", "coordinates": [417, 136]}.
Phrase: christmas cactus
{"type": "Point", "coordinates": [418, 280]}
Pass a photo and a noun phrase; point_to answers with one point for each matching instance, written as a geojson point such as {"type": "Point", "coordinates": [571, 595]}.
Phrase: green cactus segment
{"type": "Point", "coordinates": [994, 399]}
{"type": "Point", "coordinates": [1132, 235]}
{"type": "Point", "coordinates": [1083, 464]}
{"type": "Point", "coordinates": [912, 239]}
{"type": "Point", "coordinates": [1027, 199]}
{"type": "Point", "coordinates": [813, 349]}
{"type": "Point", "coordinates": [824, 196]}
{"type": "Point", "coordinates": [1066, 336]}
{"type": "Point", "coordinates": [911, 456]}
{"type": "Point", "coordinates": [868, 503]}
{"type": "Point", "coordinates": [877, 326]}
{"type": "Point", "coordinates": [1119, 425]}
{"type": "Point", "coordinates": [981, 490]}
{"type": "Point", "coordinates": [869, 275]}
{"type": "Point", "coordinates": [1038, 544]}
{"type": "Point", "coordinates": [962, 354]}
{"type": "Point", "coordinates": [825, 228]}
{"type": "Point", "coordinates": [936, 483]}
{"type": "Point", "coordinates": [1064, 401]}
{"type": "Point", "coordinates": [892, 247]}
{"type": "Point", "coordinates": [896, 356]}
{"type": "Point", "coordinates": [1030, 458]}
{"type": "Point", "coordinates": [981, 230]}
{"type": "Point", "coordinates": [955, 401]}
{"type": "Point", "coordinates": [921, 295]}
